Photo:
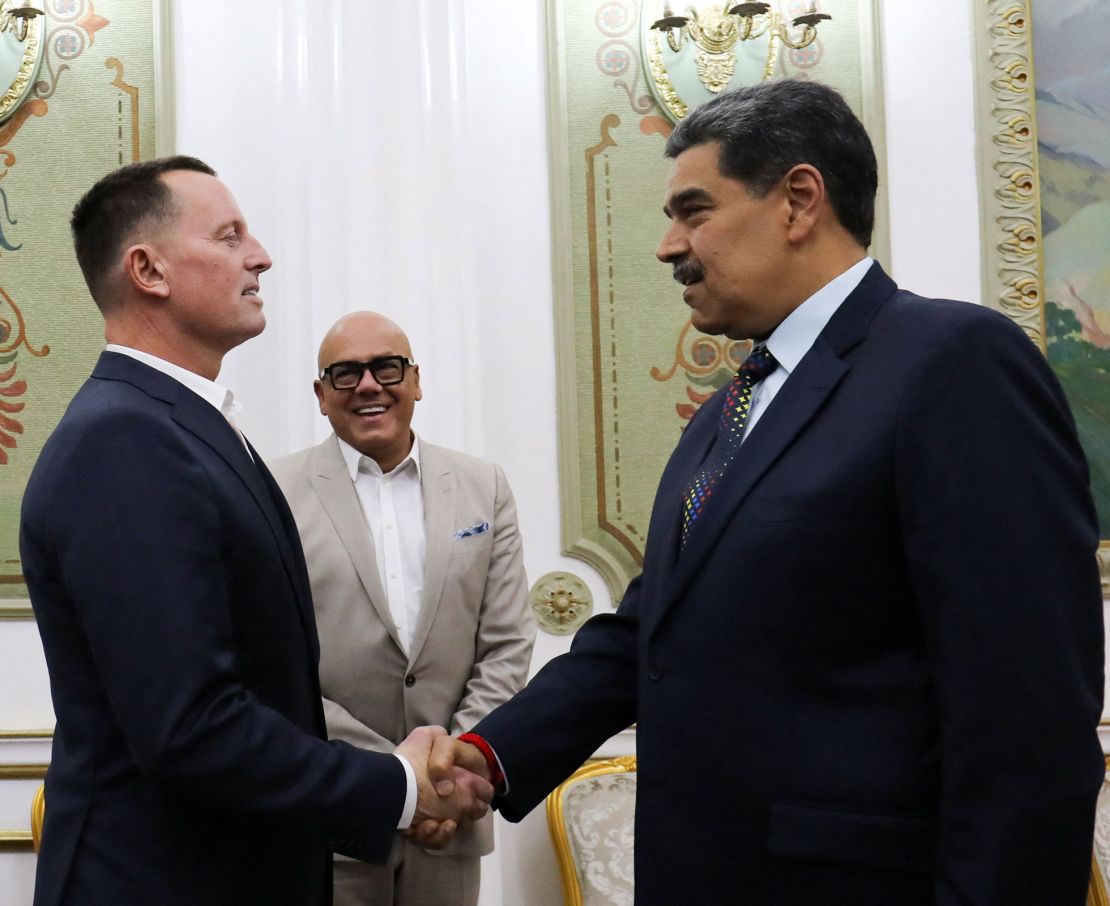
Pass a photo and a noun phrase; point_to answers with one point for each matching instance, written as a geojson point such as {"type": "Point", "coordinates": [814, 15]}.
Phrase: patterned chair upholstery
{"type": "Point", "coordinates": [590, 817]}
{"type": "Point", "coordinates": [1100, 864]}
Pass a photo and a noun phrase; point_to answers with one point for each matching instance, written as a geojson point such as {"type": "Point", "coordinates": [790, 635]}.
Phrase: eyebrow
{"type": "Point", "coordinates": [684, 198]}
{"type": "Point", "coordinates": [235, 223]}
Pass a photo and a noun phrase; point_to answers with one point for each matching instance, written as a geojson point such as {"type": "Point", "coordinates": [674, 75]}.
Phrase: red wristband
{"type": "Point", "coordinates": [496, 775]}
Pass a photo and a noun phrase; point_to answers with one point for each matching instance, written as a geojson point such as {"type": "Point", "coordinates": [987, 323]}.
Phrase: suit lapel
{"type": "Point", "coordinates": [438, 487]}
{"type": "Point", "coordinates": [661, 551]}
{"type": "Point", "coordinates": [205, 422]}
{"type": "Point", "coordinates": [333, 485]}
{"type": "Point", "coordinates": [208, 425]}
{"type": "Point", "coordinates": [293, 552]}
{"type": "Point", "coordinates": [794, 406]}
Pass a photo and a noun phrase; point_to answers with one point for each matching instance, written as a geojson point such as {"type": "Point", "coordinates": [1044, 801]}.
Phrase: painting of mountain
{"type": "Point", "coordinates": [1072, 74]}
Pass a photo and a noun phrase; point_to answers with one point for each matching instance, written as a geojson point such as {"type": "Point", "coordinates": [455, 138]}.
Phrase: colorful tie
{"type": "Point", "coordinates": [730, 431]}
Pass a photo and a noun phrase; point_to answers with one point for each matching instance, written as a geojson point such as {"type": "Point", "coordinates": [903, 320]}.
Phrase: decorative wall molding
{"type": "Point", "coordinates": [20, 745]}
{"type": "Point", "coordinates": [561, 602]}
{"type": "Point", "coordinates": [1011, 216]}
{"type": "Point", "coordinates": [15, 609]}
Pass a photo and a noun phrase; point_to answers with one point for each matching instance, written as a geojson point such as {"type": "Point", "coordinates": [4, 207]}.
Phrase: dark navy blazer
{"type": "Point", "coordinates": [874, 673]}
{"type": "Point", "coordinates": [189, 764]}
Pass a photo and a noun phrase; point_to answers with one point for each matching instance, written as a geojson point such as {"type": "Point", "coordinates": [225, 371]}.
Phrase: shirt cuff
{"type": "Point", "coordinates": [410, 794]}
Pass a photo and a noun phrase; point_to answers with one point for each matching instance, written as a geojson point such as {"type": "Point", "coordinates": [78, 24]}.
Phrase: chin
{"type": "Point", "coordinates": [707, 325]}
{"type": "Point", "coordinates": [257, 326]}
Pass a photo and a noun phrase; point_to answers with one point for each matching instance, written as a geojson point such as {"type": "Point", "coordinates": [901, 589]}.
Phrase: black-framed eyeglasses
{"type": "Point", "coordinates": [386, 369]}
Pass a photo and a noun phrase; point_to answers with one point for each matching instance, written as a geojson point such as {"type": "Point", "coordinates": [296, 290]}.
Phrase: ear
{"type": "Point", "coordinates": [318, 389]}
{"type": "Point", "coordinates": [147, 272]}
{"type": "Point", "coordinates": [804, 188]}
{"type": "Point", "coordinates": [416, 380]}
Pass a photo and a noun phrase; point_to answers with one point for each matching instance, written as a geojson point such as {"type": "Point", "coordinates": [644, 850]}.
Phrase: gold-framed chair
{"type": "Point", "coordinates": [1100, 859]}
{"type": "Point", "coordinates": [1096, 889]}
{"type": "Point", "coordinates": [590, 817]}
{"type": "Point", "coordinates": [38, 815]}
{"type": "Point", "coordinates": [595, 807]}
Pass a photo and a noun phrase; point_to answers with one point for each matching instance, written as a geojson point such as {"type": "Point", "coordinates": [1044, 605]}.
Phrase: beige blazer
{"type": "Point", "coordinates": [473, 640]}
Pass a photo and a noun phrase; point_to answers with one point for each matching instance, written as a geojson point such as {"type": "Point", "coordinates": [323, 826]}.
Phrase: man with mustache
{"type": "Point", "coordinates": [190, 763]}
{"type": "Point", "coordinates": [865, 654]}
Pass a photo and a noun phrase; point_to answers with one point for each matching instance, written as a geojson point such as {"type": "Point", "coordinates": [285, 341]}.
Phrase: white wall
{"type": "Point", "coordinates": [393, 156]}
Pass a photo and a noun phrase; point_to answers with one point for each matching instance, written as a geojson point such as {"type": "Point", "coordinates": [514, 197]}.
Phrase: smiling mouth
{"type": "Point", "coordinates": [371, 410]}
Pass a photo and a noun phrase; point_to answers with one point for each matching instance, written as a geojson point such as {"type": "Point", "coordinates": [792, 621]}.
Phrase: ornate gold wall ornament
{"type": "Point", "coordinates": [707, 46]}
{"type": "Point", "coordinates": [561, 602]}
{"type": "Point", "coordinates": [21, 52]}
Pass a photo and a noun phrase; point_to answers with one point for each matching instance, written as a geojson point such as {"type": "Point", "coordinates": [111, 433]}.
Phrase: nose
{"type": "Point", "coordinates": [367, 383]}
{"type": "Point", "coordinates": [673, 246]}
{"type": "Point", "coordinates": [259, 260]}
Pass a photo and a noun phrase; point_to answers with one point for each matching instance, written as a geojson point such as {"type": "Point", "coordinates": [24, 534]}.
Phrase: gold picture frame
{"type": "Point", "coordinates": [1013, 245]}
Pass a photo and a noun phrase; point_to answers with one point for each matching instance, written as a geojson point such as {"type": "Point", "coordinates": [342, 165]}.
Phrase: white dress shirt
{"type": "Point", "coordinates": [792, 339]}
{"type": "Point", "coordinates": [393, 506]}
{"type": "Point", "coordinates": [219, 396]}
{"type": "Point", "coordinates": [224, 402]}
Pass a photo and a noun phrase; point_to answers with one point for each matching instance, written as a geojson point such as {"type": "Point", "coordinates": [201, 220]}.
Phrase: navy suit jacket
{"type": "Point", "coordinates": [189, 762]}
{"type": "Point", "coordinates": [874, 673]}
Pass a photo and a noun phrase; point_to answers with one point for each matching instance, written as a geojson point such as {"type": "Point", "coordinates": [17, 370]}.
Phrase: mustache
{"type": "Point", "coordinates": [687, 271]}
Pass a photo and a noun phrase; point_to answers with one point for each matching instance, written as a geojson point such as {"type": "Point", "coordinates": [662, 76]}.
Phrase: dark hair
{"type": "Point", "coordinates": [115, 207]}
{"type": "Point", "coordinates": [766, 129]}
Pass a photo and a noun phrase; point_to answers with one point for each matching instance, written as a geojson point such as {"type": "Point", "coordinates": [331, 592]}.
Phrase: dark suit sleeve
{"type": "Point", "coordinates": [138, 538]}
{"type": "Point", "coordinates": [575, 703]}
{"type": "Point", "coordinates": [999, 537]}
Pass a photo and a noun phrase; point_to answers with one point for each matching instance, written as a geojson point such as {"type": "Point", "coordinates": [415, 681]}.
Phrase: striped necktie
{"type": "Point", "coordinates": [730, 432]}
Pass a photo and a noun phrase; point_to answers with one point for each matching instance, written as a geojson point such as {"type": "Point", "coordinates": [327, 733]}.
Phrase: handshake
{"type": "Point", "coordinates": [452, 785]}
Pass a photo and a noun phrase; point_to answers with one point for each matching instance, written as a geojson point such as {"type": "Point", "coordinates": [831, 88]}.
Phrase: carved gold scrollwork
{"type": "Point", "coordinates": [1013, 218]}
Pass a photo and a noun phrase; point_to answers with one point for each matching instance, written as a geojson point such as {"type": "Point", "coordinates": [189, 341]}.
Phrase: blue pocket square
{"type": "Point", "coordinates": [476, 529]}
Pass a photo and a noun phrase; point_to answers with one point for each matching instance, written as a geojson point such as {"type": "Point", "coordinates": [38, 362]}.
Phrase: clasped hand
{"type": "Point", "coordinates": [445, 798]}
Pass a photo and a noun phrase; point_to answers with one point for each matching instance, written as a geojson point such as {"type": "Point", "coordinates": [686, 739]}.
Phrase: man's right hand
{"type": "Point", "coordinates": [453, 795]}
{"type": "Point", "coordinates": [449, 755]}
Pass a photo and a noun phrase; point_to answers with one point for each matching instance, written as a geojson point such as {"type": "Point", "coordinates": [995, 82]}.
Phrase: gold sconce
{"type": "Point", "coordinates": [21, 52]}
{"type": "Point", "coordinates": [692, 56]}
{"type": "Point", "coordinates": [17, 19]}
{"type": "Point", "coordinates": [717, 31]}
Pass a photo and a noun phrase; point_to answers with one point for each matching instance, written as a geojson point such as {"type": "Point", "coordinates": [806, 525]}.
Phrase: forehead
{"type": "Point", "coordinates": [363, 340]}
{"type": "Point", "coordinates": [202, 198]}
{"type": "Point", "coordinates": [696, 167]}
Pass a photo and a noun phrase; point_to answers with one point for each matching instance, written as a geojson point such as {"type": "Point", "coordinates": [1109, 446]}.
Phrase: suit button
{"type": "Point", "coordinates": [410, 680]}
{"type": "Point", "coordinates": [655, 671]}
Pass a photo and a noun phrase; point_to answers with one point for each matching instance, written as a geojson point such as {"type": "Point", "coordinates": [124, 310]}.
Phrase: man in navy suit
{"type": "Point", "coordinates": [865, 653]}
{"type": "Point", "coordinates": [190, 764]}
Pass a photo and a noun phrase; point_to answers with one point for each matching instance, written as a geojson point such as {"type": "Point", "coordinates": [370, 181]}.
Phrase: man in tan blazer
{"type": "Point", "coordinates": [414, 557]}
